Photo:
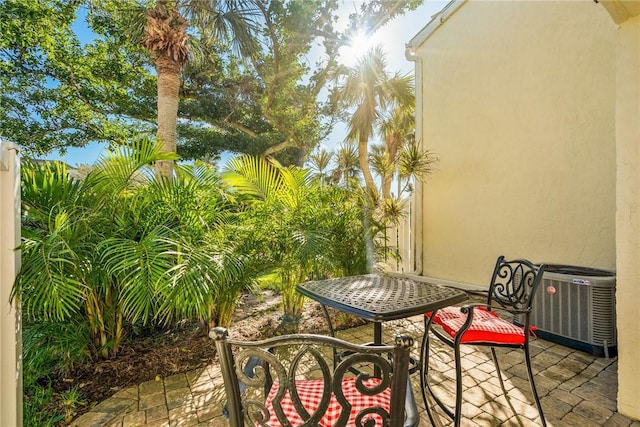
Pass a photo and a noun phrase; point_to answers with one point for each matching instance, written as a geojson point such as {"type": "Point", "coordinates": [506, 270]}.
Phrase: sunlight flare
{"type": "Point", "coordinates": [359, 44]}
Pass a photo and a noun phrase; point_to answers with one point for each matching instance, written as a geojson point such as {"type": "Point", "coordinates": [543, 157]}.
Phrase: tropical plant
{"type": "Point", "coordinates": [347, 171]}
{"type": "Point", "coordinates": [343, 215]}
{"type": "Point", "coordinates": [370, 91]}
{"type": "Point", "coordinates": [301, 228]}
{"type": "Point", "coordinates": [383, 165]}
{"type": "Point", "coordinates": [121, 247]}
{"type": "Point", "coordinates": [384, 104]}
{"type": "Point", "coordinates": [319, 162]}
{"type": "Point", "coordinates": [283, 219]}
{"type": "Point", "coordinates": [73, 74]}
{"type": "Point", "coordinates": [277, 105]}
{"type": "Point", "coordinates": [163, 29]}
{"type": "Point", "coordinates": [48, 348]}
{"type": "Point", "coordinates": [398, 131]}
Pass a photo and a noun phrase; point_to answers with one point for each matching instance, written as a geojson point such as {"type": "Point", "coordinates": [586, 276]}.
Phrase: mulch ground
{"type": "Point", "coordinates": [185, 347]}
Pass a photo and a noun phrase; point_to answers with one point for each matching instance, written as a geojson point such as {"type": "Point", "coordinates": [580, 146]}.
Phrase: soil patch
{"type": "Point", "coordinates": [185, 347]}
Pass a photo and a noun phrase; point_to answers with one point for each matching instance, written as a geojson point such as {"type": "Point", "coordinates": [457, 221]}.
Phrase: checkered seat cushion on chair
{"type": "Point", "coordinates": [296, 380]}
{"type": "Point", "coordinates": [310, 393]}
{"type": "Point", "coordinates": [486, 327]}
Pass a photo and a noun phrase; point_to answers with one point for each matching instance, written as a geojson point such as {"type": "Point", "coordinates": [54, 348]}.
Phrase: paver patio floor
{"type": "Point", "coordinates": [576, 388]}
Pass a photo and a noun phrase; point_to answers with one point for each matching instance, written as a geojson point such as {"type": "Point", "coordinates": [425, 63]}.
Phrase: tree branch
{"type": "Point", "coordinates": [242, 128]}
{"type": "Point", "coordinates": [278, 147]}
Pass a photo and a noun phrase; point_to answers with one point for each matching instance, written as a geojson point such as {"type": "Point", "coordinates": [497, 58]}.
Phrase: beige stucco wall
{"type": "Point", "coordinates": [628, 216]}
{"type": "Point", "coordinates": [518, 103]}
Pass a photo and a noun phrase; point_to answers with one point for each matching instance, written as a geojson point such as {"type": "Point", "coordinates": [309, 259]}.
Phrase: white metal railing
{"type": "Point", "coordinates": [10, 325]}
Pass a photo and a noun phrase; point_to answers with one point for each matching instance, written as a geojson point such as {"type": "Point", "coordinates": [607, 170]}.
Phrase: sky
{"type": "Point", "coordinates": [392, 37]}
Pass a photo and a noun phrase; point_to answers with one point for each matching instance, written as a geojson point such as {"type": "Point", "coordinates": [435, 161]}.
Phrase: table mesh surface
{"type": "Point", "coordinates": [381, 296]}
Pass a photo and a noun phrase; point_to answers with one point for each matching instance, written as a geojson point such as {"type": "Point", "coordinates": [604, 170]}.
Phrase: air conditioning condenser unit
{"type": "Point", "coordinates": [575, 306]}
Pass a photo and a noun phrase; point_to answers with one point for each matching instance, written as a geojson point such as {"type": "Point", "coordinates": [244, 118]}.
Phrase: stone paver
{"type": "Point", "coordinates": [134, 419]}
{"type": "Point", "coordinates": [157, 413]}
{"type": "Point", "coordinates": [576, 389]}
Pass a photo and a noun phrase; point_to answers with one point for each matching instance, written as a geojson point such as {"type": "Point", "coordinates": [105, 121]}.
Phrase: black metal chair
{"type": "Point", "coordinates": [294, 380]}
{"type": "Point", "coordinates": [513, 285]}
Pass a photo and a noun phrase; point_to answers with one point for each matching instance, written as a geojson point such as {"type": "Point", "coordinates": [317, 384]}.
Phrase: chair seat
{"type": "Point", "coordinates": [486, 327]}
{"type": "Point", "coordinates": [310, 394]}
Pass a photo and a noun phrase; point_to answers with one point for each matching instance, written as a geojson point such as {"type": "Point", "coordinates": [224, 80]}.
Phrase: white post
{"type": "Point", "coordinates": [10, 322]}
{"type": "Point", "coordinates": [416, 260]}
{"type": "Point", "coordinates": [627, 212]}
{"type": "Point", "coordinates": [405, 241]}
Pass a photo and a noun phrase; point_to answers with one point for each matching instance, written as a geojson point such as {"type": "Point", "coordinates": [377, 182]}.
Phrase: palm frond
{"type": "Point", "coordinates": [127, 166]}
{"type": "Point", "coordinates": [224, 21]}
{"type": "Point", "coordinates": [380, 161]}
{"type": "Point", "coordinates": [394, 209]}
{"type": "Point", "coordinates": [205, 272]}
{"type": "Point", "coordinates": [138, 268]}
{"type": "Point", "coordinates": [49, 275]}
{"type": "Point", "coordinates": [397, 90]}
{"type": "Point", "coordinates": [47, 187]}
{"type": "Point", "coordinates": [347, 164]}
{"type": "Point", "coordinates": [415, 163]}
{"type": "Point", "coordinates": [320, 161]}
{"type": "Point", "coordinates": [253, 176]}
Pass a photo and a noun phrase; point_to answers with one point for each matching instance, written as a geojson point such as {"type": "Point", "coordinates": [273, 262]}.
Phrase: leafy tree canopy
{"type": "Point", "coordinates": [57, 92]}
{"type": "Point", "coordinates": [276, 102]}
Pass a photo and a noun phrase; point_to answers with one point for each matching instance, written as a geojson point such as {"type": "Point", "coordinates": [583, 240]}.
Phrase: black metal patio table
{"type": "Point", "coordinates": [379, 297]}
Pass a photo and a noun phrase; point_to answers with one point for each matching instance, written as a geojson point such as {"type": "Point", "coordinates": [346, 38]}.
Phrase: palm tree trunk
{"type": "Point", "coordinates": [168, 71]}
{"type": "Point", "coordinates": [100, 332]}
{"type": "Point", "coordinates": [392, 143]}
{"type": "Point", "coordinates": [93, 324]}
{"type": "Point", "coordinates": [386, 186]}
{"type": "Point", "coordinates": [119, 333]}
{"type": "Point", "coordinates": [363, 157]}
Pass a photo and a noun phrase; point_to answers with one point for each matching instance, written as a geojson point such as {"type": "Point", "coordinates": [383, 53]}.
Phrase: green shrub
{"type": "Point", "coordinates": [47, 349]}
{"type": "Point", "coordinates": [121, 247]}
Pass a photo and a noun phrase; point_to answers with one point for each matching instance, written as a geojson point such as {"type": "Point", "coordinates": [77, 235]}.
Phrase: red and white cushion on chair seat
{"type": "Point", "coordinates": [486, 327]}
{"type": "Point", "coordinates": [310, 393]}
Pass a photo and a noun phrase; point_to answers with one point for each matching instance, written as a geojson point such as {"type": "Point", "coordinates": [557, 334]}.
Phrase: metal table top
{"type": "Point", "coordinates": [378, 297]}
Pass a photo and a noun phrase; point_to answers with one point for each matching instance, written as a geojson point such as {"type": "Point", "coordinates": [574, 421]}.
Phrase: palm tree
{"type": "Point", "coordinates": [382, 165]}
{"type": "Point", "coordinates": [371, 91]}
{"type": "Point", "coordinates": [163, 30]}
{"type": "Point", "coordinates": [413, 164]}
{"type": "Point", "coordinates": [286, 227]}
{"type": "Point", "coordinates": [347, 165]}
{"type": "Point", "coordinates": [121, 248]}
{"type": "Point", "coordinates": [397, 131]}
{"type": "Point", "coordinates": [63, 275]}
{"type": "Point", "coordinates": [320, 162]}
{"type": "Point", "coordinates": [165, 37]}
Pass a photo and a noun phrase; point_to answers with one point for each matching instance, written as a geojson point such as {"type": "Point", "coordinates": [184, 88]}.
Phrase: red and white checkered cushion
{"type": "Point", "coordinates": [486, 326]}
{"type": "Point", "coordinates": [310, 393]}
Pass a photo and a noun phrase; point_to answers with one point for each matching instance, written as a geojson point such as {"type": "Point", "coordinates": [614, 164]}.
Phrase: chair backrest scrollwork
{"type": "Point", "coordinates": [295, 380]}
{"type": "Point", "coordinates": [514, 283]}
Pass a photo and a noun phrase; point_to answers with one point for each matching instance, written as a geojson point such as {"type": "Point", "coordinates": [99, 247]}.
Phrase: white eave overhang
{"type": "Point", "coordinates": [621, 10]}
{"type": "Point", "coordinates": [436, 22]}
